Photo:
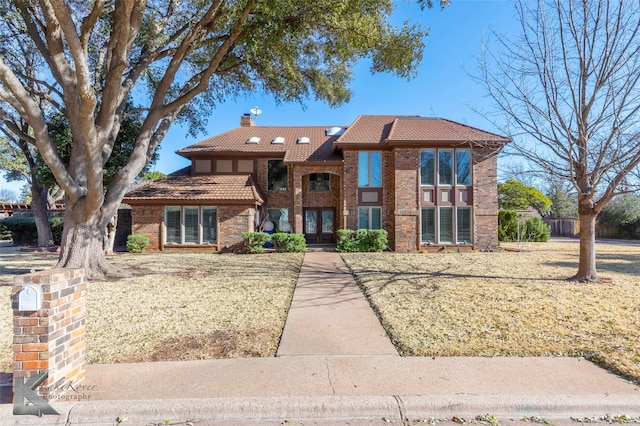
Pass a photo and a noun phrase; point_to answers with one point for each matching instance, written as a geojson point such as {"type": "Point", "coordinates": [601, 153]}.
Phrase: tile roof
{"type": "Point", "coordinates": [319, 148]}
{"type": "Point", "coordinates": [368, 129]}
{"type": "Point", "coordinates": [227, 189]}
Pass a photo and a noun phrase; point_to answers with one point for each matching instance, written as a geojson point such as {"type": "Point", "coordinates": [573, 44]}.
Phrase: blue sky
{"type": "Point", "coordinates": [442, 87]}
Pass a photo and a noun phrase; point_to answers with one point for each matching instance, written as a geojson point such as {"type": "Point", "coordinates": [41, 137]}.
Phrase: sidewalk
{"type": "Point", "coordinates": [336, 366]}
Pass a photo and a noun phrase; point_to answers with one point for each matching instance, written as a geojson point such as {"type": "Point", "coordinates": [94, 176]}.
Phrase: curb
{"type": "Point", "coordinates": [328, 408]}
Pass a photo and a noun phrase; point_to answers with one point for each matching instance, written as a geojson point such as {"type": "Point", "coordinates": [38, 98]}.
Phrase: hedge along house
{"type": "Point", "coordinates": [429, 182]}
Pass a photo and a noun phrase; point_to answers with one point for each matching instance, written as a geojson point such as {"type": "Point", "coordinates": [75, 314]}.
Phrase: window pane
{"type": "Point", "coordinates": [319, 182]}
{"type": "Point", "coordinates": [427, 167]}
{"type": "Point", "coordinates": [376, 218]}
{"type": "Point", "coordinates": [327, 222]}
{"type": "Point", "coordinates": [191, 225]}
{"type": "Point", "coordinates": [278, 217]}
{"type": "Point", "coordinates": [363, 168]}
{"type": "Point", "coordinates": [209, 225]}
{"type": "Point", "coordinates": [376, 169]}
{"type": "Point", "coordinates": [172, 224]}
{"type": "Point", "coordinates": [464, 225]}
{"type": "Point", "coordinates": [277, 175]}
{"type": "Point", "coordinates": [445, 167]}
{"type": "Point", "coordinates": [463, 167]}
{"type": "Point", "coordinates": [446, 224]}
{"type": "Point", "coordinates": [428, 225]}
{"type": "Point", "coordinates": [311, 222]}
{"type": "Point", "coordinates": [363, 218]}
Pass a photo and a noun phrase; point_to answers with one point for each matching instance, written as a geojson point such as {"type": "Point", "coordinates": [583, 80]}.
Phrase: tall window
{"type": "Point", "coordinates": [369, 217]}
{"type": "Point", "coordinates": [446, 224]}
{"type": "Point", "coordinates": [428, 225]}
{"type": "Point", "coordinates": [463, 167]}
{"type": "Point", "coordinates": [370, 169]}
{"type": "Point", "coordinates": [173, 224]}
{"type": "Point", "coordinates": [427, 166]}
{"type": "Point", "coordinates": [445, 167]}
{"type": "Point", "coordinates": [190, 225]}
{"type": "Point", "coordinates": [451, 164]}
{"type": "Point", "coordinates": [278, 178]}
{"type": "Point", "coordinates": [463, 227]}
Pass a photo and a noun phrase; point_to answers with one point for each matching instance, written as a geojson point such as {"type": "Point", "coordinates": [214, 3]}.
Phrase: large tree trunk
{"type": "Point", "coordinates": [587, 264]}
{"type": "Point", "coordinates": [39, 210]}
{"type": "Point", "coordinates": [82, 245]}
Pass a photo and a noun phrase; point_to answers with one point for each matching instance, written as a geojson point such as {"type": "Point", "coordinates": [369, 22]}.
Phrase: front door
{"type": "Point", "coordinates": [319, 225]}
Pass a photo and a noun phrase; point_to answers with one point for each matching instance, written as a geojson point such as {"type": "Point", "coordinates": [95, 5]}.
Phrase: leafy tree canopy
{"type": "Point", "coordinates": [178, 60]}
{"type": "Point", "coordinates": [514, 195]}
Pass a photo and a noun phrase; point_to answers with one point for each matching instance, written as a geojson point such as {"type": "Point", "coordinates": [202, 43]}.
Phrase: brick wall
{"type": "Point", "coordinates": [233, 221]}
{"type": "Point", "coordinates": [405, 167]}
{"type": "Point", "coordinates": [51, 339]}
{"type": "Point", "coordinates": [485, 198]}
{"type": "Point", "coordinates": [350, 213]}
{"type": "Point", "coordinates": [147, 220]}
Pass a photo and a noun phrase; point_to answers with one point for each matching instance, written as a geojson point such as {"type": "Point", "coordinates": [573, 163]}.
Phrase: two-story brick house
{"type": "Point", "coordinates": [429, 182]}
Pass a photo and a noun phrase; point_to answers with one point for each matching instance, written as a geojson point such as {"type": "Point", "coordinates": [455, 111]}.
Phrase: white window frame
{"type": "Point", "coordinates": [200, 238]}
{"type": "Point", "coordinates": [369, 216]}
{"type": "Point", "coordinates": [436, 217]}
{"type": "Point", "coordinates": [454, 167]}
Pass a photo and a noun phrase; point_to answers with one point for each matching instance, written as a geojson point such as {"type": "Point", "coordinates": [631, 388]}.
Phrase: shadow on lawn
{"type": "Point", "coordinates": [626, 264]}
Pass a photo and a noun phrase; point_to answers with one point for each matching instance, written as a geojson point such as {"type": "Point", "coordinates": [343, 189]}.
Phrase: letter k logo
{"type": "Point", "coordinates": [25, 391]}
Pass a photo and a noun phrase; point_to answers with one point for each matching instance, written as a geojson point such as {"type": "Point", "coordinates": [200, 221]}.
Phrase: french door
{"type": "Point", "coordinates": [319, 225]}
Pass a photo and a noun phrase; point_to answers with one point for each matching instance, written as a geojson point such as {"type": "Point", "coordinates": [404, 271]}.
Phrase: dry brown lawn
{"type": "Point", "coordinates": [176, 307]}
{"type": "Point", "coordinates": [509, 303]}
{"type": "Point", "coordinates": [190, 306]}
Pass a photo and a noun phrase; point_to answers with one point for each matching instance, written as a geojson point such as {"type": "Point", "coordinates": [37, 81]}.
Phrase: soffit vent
{"type": "Point", "coordinates": [303, 139]}
{"type": "Point", "coordinates": [253, 139]}
{"type": "Point", "coordinates": [278, 139]}
{"type": "Point", "coordinates": [334, 131]}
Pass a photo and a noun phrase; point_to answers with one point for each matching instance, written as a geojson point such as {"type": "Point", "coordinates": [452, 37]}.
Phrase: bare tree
{"type": "Point", "coordinates": [570, 91]}
{"type": "Point", "coordinates": [177, 59]}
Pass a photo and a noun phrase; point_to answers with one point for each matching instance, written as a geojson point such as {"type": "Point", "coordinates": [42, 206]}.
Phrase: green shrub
{"type": "Point", "coordinates": [535, 230]}
{"type": "Point", "coordinates": [136, 243]}
{"type": "Point", "coordinates": [22, 230]}
{"type": "Point", "coordinates": [289, 243]}
{"type": "Point", "coordinates": [508, 225]}
{"type": "Point", "coordinates": [254, 241]}
{"type": "Point", "coordinates": [361, 240]}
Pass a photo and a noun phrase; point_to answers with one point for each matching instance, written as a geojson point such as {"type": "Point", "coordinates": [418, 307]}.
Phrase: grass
{"type": "Point", "coordinates": [177, 307]}
{"type": "Point", "coordinates": [191, 306]}
{"type": "Point", "coordinates": [508, 303]}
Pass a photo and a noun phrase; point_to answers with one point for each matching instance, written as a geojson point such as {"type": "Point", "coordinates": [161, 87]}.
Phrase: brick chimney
{"type": "Point", "coordinates": [246, 121]}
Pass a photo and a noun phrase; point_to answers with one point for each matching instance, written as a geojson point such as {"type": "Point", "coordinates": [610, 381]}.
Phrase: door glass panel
{"type": "Point", "coordinates": [327, 222]}
{"type": "Point", "coordinates": [311, 222]}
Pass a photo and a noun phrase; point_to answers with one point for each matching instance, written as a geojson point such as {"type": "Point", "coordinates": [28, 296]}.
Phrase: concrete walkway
{"type": "Point", "coordinates": [329, 315]}
{"type": "Point", "coordinates": [335, 366]}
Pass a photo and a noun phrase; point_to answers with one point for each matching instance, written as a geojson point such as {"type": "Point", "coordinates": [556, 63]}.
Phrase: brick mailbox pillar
{"type": "Point", "coordinates": [50, 338]}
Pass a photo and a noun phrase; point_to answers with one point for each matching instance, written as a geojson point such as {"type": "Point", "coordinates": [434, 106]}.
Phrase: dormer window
{"type": "Point", "coordinates": [334, 131]}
